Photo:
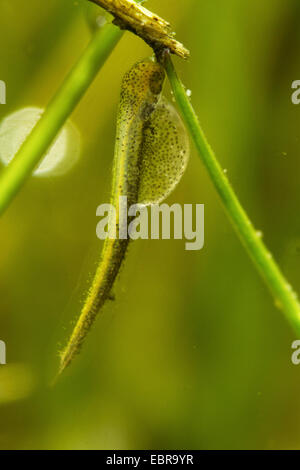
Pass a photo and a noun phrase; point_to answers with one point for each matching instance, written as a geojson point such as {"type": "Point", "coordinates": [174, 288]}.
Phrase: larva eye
{"type": "Point", "coordinates": [144, 81]}
{"type": "Point", "coordinates": [165, 154]}
{"type": "Point", "coordinates": [156, 81]}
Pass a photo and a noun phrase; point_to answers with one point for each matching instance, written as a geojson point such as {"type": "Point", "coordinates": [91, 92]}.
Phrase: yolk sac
{"type": "Point", "coordinates": [59, 158]}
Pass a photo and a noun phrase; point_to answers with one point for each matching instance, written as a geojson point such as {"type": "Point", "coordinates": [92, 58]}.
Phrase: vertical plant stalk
{"type": "Point", "coordinates": [77, 82]}
{"type": "Point", "coordinates": [285, 298]}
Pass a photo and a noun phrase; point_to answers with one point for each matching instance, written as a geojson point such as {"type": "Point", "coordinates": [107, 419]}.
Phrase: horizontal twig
{"type": "Point", "coordinates": [154, 30]}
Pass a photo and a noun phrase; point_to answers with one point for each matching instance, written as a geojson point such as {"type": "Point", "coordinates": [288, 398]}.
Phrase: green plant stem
{"type": "Point", "coordinates": [285, 297]}
{"type": "Point", "coordinates": [57, 112]}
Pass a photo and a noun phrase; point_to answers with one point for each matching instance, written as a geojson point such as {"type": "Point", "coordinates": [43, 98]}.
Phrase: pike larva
{"type": "Point", "coordinates": [151, 153]}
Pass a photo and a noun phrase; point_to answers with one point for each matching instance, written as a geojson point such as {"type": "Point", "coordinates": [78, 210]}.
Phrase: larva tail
{"type": "Point", "coordinates": [112, 257]}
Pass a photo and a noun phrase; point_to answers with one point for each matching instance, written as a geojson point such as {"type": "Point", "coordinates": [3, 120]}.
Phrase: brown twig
{"type": "Point", "coordinates": [154, 30]}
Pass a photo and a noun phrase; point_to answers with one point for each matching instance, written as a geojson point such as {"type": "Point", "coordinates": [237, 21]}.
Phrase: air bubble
{"type": "Point", "coordinates": [60, 157]}
{"type": "Point", "coordinates": [101, 21]}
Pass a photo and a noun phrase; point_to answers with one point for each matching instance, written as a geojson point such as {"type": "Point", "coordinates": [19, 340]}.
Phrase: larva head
{"type": "Point", "coordinates": [142, 86]}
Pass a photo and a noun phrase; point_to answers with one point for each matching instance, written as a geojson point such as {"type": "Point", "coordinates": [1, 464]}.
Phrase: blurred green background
{"type": "Point", "coordinates": [193, 353]}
